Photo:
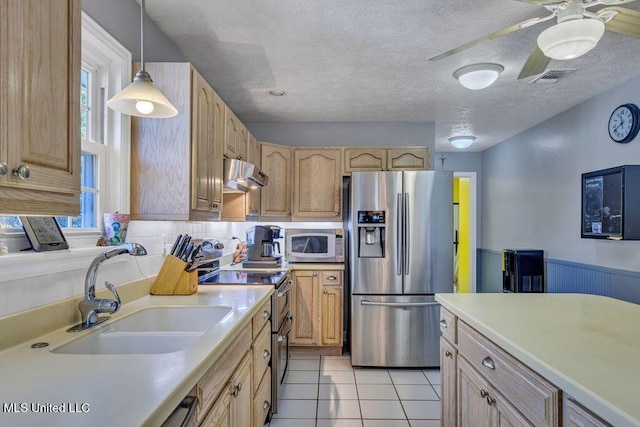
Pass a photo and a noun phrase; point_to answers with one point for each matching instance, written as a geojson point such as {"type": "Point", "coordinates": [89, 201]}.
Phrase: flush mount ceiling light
{"type": "Point", "coordinates": [478, 76]}
{"type": "Point", "coordinates": [462, 141]}
{"type": "Point", "coordinates": [277, 92]}
{"type": "Point", "coordinates": [570, 39]}
{"type": "Point", "coordinates": [141, 98]}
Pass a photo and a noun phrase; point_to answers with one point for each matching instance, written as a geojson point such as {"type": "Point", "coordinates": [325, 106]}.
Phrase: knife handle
{"type": "Point", "coordinates": [175, 245]}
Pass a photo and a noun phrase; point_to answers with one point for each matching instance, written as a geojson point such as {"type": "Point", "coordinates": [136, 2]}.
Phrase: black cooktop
{"type": "Point", "coordinates": [240, 277]}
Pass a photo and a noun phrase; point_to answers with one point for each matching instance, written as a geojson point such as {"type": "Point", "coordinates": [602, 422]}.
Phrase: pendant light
{"type": "Point", "coordinates": [141, 98]}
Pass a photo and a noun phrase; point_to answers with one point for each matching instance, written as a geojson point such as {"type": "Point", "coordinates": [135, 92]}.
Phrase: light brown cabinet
{"type": "Point", "coordinates": [575, 415]}
{"type": "Point", "coordinates": [253, 196]}
{"type": "Point", "coordinates": [317, 184]}
{"type": "Point", "coordinates": [40, 107]}
{"type": "Point", "coordinates": [448, 387]}
{"type": "Point", "coordinates": [235, 146]}
{"type": "Point", "coordinates": [173, 161]}
{"type": "Point", "coordinates": [276, 196]}
{"type": "Point", "coordinates": [241, 405]}
{"type": "Point", "coordinates": [366, 159]}
{"type": "Point", "coordinates": [317, 308]}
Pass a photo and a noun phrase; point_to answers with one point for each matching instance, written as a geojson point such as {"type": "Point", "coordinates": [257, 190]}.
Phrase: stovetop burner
{"type": "Point", "coordinates": [240, 277]}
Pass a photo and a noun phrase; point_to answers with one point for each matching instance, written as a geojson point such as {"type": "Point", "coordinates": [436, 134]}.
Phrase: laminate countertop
{"type": "Point", "coordinates": [53, 389]}
{"type": "Point", "coordinates": [587, 345]}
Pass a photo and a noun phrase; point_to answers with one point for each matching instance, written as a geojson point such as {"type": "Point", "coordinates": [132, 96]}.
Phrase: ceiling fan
{"type": "Point", "coordinates": [576, 32]}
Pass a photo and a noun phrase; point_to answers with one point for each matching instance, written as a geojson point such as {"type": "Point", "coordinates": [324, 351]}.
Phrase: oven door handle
{"type": "Point", "coordinates": [282, 336]}
{"type": "Point", "coordinates": [286, 289]}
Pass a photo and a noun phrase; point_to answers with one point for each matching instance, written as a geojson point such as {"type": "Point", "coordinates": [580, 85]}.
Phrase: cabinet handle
{"type": "Point", "coordinates": [265, 354]}
{"type": "Point", "coordinates": [490, 400]}
{"type": "Point", "coordinates": [487, 362]}
{"type": "Point", "coordinates": [337, 213]}
{"type": "Point", "coordinates": [443, 323]}
{"type": "Point", "coordinates": [3, 168]}
{"type": "Point", "coordinates": [265, 314]}
{"type": "Point", "coordinates": [325, 292]}
{"type": "Point", "coordinates": [447, 353]}
{"type": "Point", "coordinates": [315, 274]}
{"type": "Point", "coordinates": [239, 387]}
{"type": "Point", "coordinates": [22, 172]}
{"type": "Point", "coordinates": [266, 405]}
{"type": "Point", "coordinates": [483, 393]}
{"type": "Point", "coordinates": [235, 391]}
{"type": "Point", "coordinates": [332, 278]}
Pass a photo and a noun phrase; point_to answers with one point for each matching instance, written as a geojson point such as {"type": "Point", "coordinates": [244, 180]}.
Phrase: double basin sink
{"type": "Point", "coordinates": [153, 330]}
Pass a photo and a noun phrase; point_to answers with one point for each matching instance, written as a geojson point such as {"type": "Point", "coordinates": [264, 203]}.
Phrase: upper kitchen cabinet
{"type": "Point", "coordinates": [317, 184]}
{"type": "Point", "coordinates": [276, 195]}
{"type": "Point", "coordinates": [40, 107]}
{"type": "Point", "coordinates": [384, 159]}
{"type": "Point", "coordinates": [236, 137]}
{"type": "Point", "coordinates": [175, 173]}
{"type": "Point", "coordinates": [255, 157]}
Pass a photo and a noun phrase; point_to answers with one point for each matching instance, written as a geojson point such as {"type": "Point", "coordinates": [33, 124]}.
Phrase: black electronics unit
{"type": "Point", "coordinates": [522, 270]}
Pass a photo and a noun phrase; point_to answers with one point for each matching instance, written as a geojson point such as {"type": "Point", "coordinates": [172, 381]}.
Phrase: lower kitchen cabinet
{"type": "Point", "coordinates": [482, 385]}
{"type": "Point", "coordinates": [575, 415]}
{"type": "Point", "coordinates": [317, 307]}
{"type": "Point", "coordinates": [241, 402]}
{"type": "Point", "coordinates": [220, 413]}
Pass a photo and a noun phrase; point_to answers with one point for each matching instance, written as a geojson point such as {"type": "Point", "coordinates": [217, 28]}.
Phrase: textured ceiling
{"type": "Point", "coordinates": [366, 61]}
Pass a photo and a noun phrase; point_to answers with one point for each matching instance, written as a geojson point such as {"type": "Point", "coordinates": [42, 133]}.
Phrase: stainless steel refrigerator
{"type": "Point", "coordinates": [401, 254]}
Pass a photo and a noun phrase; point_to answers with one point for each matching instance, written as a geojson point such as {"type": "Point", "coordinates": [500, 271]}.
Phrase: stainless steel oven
{"type": "Point", "coordinates": [281, 319]}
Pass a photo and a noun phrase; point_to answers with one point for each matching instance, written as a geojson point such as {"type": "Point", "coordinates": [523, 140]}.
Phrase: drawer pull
{"type": "Point", "coordinates": [443, 323]}
{"type": "Point", "coordinates": [266, 405]}
{"type": "Point", "coordinates": [266, 354]}
{"type": "Point", "coordinates": [483, 393]}
{"type": "Point", "coordinates": [332, 278]}
{"type": "Point", "coordinates": [447, 353]}
{"type": "Point", "coordinates": [487, 362]}
{"type": "Point", "coordinates": [265, 314]}
{"type": "Point", "coordinates": [490, 400]}
{"type": "Point", "coordinates": [325, 292]}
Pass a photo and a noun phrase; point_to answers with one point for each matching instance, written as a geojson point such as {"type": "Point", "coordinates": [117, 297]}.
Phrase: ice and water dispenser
{"type": "Point", "coordinates": [371, 234]}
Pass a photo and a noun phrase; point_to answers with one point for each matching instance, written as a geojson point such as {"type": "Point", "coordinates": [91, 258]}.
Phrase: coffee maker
{"type": "Point", "coordinates": [263, 251]}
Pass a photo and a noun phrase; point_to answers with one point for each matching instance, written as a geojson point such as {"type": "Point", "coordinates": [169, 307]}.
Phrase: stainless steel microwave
{"type": "Point", "coordinates": [314, 245]}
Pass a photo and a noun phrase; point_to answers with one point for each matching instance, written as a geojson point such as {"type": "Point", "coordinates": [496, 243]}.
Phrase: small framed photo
{"type": "Point", "coordinates": [44, 233]}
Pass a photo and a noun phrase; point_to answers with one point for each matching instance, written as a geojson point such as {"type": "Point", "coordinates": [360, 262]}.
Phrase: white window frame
{"type": "Point", "coordinates": [98, 48]}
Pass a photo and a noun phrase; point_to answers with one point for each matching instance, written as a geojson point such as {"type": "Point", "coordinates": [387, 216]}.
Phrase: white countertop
{"type": "Point", "coordinates": [587, 345]}
{"type": "Point", "coordinates": [120, 390]}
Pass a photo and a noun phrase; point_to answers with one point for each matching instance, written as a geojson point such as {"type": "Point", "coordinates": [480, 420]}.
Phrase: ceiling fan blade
{"type": "Point", "coordinates": [536, 64]}
{"type": "Point", "coordinates": [626, 22]}
{"type": "Point", "coordinates": [491, 36]}
{"type": "Point", "coordinates": [544, 2]}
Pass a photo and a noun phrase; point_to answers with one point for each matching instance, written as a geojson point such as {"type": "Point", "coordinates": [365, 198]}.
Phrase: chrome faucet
{"type": "Point", "coordinates": [90, 306]}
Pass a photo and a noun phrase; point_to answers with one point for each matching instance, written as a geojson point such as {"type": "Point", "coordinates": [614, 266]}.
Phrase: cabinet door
{"type": "Point", "coordinates": [506, 415]}
{"type": "Point", "coordinates": [448, 392]}
{"type": "Point", "coordinates": [575, 415]}
{"type": "Point", "coordinates": [331, 315]}
{"type": "Point", "coordinates": [40, 105]}
{"type": "Point", "coordinates": [218, 151]}
{"type": "Point", "coordinates": [242, 141]}
{"type": "Point", "coordinates": [242, 394]}
{"type": "Point", "coordinates": [202, 104]}
{"type": "Point", "coordinates": [231, 128]}
{"type": "Point", "coordinates": [473, 390]}
{"type": "Point", "coordinates": [305, 308]}
{"type": "Point", "coordinates": [364, 160]}
{"type": "Point", "coordinates": [253, 196]}
{"type": "Point", "coordinates": [408, 159]}
{"type": "Point", "coordinates": [317, 184]}
{"type": "Point", "coordinates": [220, 413]}
{"type": "Point", "coordinates": [276, 197]}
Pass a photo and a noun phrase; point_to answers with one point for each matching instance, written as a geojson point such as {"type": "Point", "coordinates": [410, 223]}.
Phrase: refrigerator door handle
{"type": "Point", "coordinates": [406, 232]}
{"type": "Point", "coordinates": [399, 304]}
{"type": "Point", "coordinates": [399, 238]}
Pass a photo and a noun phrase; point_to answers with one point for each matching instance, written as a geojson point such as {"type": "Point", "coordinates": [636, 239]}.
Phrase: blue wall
{"type": "Point", "coordinates": [565, 277]}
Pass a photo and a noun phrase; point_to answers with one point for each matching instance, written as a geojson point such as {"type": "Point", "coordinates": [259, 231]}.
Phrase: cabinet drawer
{"type": "Point", "coordinates": [262, 400]}
{"type": "Point", "coordinates": [534, 396]}
{"type": "Point", "coordinates": [575, 415]}
{"type": "Point", "coordinates": [216, 378]}
{"type": "Point", "coordinates": [261, 317]}
{"type": "Point", "coordinates": [330, 278]}
{"type": "Point", "coordinates": [261, 354]}
{"type": "Point", "coordinates": [448, 325]}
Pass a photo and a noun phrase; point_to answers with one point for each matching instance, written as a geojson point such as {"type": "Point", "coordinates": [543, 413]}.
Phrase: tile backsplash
{"type": "Point", "coordinates": [33, 290]}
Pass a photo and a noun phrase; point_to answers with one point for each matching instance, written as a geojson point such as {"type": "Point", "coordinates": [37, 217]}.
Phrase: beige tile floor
{"type": "Point", "coordinates": [326, 391]}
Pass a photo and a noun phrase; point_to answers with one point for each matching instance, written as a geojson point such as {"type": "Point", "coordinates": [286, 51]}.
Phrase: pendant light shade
{"type": "Point", "coordinates": [141, 98]}
{"type": "Point", "coordinates": [570, 39]}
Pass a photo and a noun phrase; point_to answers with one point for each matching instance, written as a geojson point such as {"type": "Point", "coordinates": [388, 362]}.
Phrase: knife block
{"type": "Point", "coordinates": [173, 279]}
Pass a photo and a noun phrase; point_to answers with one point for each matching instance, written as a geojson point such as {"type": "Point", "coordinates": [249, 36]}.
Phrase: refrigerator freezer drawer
{"type": "Point", "coordinates": [395, 331]}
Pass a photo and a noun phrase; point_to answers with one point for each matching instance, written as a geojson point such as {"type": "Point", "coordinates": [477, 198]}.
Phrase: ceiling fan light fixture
{"type": "Point", "coordinates": [462, 141]}
{"type": "Point", "coordinates": [570, 39]}
{"type": "Point", "coordinates": [478, 76]}
{"type": "Point", "coordinates": [141, 98]}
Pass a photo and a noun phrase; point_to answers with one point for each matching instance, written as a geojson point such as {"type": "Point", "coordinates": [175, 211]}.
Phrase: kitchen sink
{"type": "Point", "coordinates": [153, 330]}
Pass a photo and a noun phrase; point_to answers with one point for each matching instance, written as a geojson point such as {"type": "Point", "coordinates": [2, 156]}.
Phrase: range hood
{"type": "Point", "coordinates": [242, 176]}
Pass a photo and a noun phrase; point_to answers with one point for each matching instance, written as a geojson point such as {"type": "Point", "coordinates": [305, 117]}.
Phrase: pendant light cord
{"type": "Point", "coordinates": [142, 34]}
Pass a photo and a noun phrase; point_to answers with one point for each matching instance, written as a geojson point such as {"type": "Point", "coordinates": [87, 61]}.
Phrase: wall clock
{"type": "Point", "coordinates": [624, 123]}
